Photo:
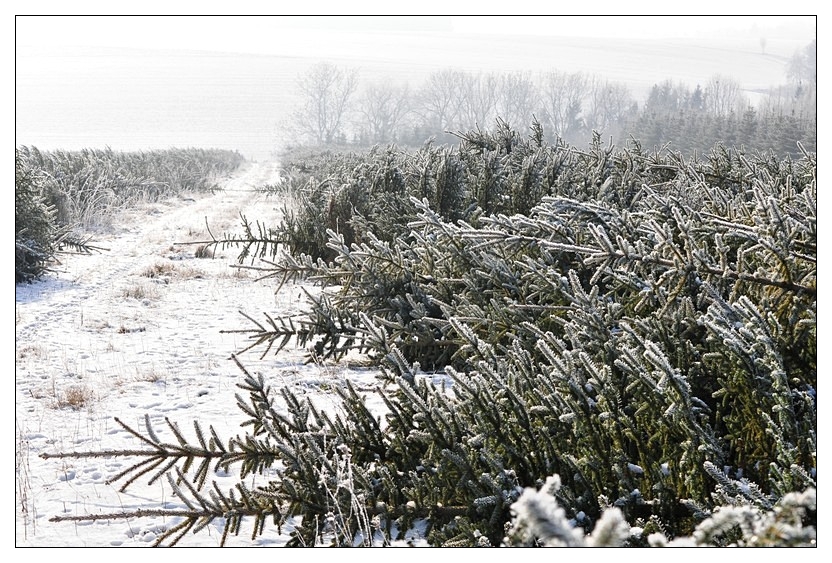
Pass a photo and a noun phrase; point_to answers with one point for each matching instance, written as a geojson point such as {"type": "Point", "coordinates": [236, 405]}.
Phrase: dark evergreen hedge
{"type": "Point", "coordinates": [646, 331]}
{"type": "Point", "coordinates": [34, 225]}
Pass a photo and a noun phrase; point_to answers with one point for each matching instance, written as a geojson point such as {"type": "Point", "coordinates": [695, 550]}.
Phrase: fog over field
{"type": "Point", "coordinates": [229, 82]}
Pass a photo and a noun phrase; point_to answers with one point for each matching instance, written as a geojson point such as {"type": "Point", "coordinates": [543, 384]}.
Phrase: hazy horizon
{"type": "Point", "coordinates": [135, 83]}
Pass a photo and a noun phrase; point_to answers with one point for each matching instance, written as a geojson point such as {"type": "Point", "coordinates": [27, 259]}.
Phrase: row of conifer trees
{"type": "Point", "coordinates": [632, 333]}
{"type": "Point", "coordinates": [61, 195]}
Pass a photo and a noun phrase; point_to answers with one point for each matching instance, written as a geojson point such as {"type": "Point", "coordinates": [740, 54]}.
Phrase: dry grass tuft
{"type": "Point", "coordinates": [158, 270]}
{"type": "Point", "coordinates": [204, 251]}
{"type": "Point", "coordinates": [139, 291]}
{"type": "Point", "coordinates": [74, 397]}
{"type": "Point", "coordinates": [235, 273]}
{"type": "Point", "coordinates": [168, 269]}
{"type": "Point", "coordinates": [36, 351]}
{"type": "Point", "coordinates": [151, 375]}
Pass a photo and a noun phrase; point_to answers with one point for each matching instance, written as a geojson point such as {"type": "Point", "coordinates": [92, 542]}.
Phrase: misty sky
{"type": "Point", "coordinates": [132, 82]}
{"type": "Point", "coordinates": [331, 35]}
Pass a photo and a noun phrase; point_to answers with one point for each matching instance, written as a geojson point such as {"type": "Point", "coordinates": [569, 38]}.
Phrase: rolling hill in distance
{"type": "Point", "coordinates": [141, 98]}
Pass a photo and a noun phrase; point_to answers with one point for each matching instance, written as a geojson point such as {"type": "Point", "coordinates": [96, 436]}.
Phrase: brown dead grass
{"type": "Point", "coordinates": [75, 397]}
{"type": "Point", "coordinates": [168, 269]}
{"type": "Point", "coordinates": [139, 291]}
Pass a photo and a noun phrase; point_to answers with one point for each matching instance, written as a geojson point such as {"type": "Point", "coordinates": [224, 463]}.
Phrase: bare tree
{"type": "Point", "coordinates": [562, 96]}
{"type": "Point", "coordinates": [326, 91]}
{"type": "Point", "coordinates": [384, 108]}
{"type": "Point", "coordinates": [440, 99]}
{"type": "Point", "coordinates": [789, 99]}
{"type": "Point", "coordinates": [518, 99]}
{"type": "Point", "coordinates": [723, 95]}
{"type": "Point", "coordinates": [479, 100]}
{"type": "Point", "coordinates": [609, 104]}
{"type": "Point", "coordinates": [803, 66]}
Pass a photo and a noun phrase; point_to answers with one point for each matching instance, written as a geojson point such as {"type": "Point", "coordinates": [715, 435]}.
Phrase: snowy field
{"type": "Point", "coordinates": [135, 330]}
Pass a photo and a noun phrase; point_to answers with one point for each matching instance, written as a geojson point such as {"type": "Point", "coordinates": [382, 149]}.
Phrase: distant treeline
{"type": "Point", "coordinates": [339, 110]}
{"type": "Point", "coordinates": [675, 115]}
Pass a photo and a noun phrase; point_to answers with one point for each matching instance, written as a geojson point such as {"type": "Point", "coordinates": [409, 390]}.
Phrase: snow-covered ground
{"type": "Point", "coordinates": [135, 330]}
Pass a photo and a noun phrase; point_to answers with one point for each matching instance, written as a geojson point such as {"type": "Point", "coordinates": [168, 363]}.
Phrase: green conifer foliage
{"type": "Point", "coordinates": [34, 220]}
{"type": "Point", "coordinates": [647, 332]}
{"type": "Point", "coordinates": [85, 186]}
{"type": "Point", "coordinates": [60, 193]}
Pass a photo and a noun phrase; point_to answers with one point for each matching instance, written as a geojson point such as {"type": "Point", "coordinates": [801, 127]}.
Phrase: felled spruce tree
{"type": "Point", "coordinates": [647, 332]}
{"type": "Point", "coordinates": [35, 232]}
{"type": "Point", "coordinates": [373, 194]}
{"type": "Point", "coordinates": [59, 194]}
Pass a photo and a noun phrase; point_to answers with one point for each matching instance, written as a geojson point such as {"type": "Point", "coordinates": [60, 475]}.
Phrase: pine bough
{"type": "Point", "coordinates": [630, 362]}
